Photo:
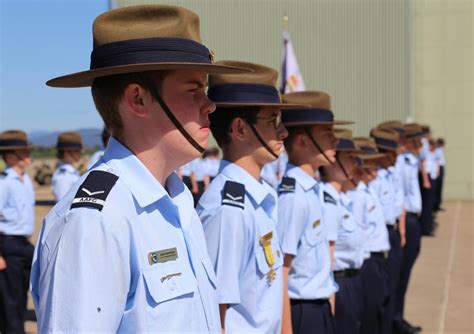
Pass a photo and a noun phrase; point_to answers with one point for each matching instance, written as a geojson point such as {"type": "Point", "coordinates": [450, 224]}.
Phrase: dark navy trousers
{"type": "Point", "coordinates": [348, 305]}
{"type": "Point", "coordinates": [410, 253]}
{"type": "Point", "coordinates": [394, 264]}
{"type": "Point", "coordinates": [428, 205]}
{"type": "Point", "coordinates": [14, 283]}
{"type": "Point", "coordinates": [311, 316]}
{"type": "Point", "coordinates": [375, 287]}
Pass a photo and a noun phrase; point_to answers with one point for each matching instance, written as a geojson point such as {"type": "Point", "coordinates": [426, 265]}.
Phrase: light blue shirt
{"type": "Point", "coordinates": [94, 159]}
{"type": "Point", "coordinates": [343, 230]}
{"type": "Point", "coordinates": [302, 232]}
{"type": "Point", "coordinates": [273, 171]}
{"type": "Point", "coordinates": [212, 166]}
{"type": "Point", "coordinates": [17, 204]}
{"type": "Point", "coordinates": [439, 154]}
{"type": "Point", "coordinates": [369, 215]}
{"type": "Point", "coordinates": [93, 271]}
{"type": "Point", "coordinates": [233, 235]}
{"type": "Point", "coordinates": [385, 191]}
{"type": "Point", "coordinates": [431, 164]}
{"type": "Point", "coordinates": [399, 195]}
{"type": "Point", "coordinates": [407, 166]}
{"type": "Point", "coordinates": [64, 177]}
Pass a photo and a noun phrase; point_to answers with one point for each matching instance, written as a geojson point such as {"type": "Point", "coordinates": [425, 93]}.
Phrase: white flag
{"type": "Point", "coordinates": [291, 78]}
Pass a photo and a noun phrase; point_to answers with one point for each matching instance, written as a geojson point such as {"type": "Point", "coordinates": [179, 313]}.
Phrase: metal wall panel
{"type": "Point", "coordinates": [357, 50]}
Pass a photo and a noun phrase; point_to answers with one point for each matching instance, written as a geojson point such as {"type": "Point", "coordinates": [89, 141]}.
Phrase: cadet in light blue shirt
{"type": "Point", "coordinates": [17, 200]}
{"type": "Point", "coordinates": [367, 209]}
{"type": "Point", "coordinates": [301, 226]}
{"type": "Point", "coordinates": [407, 167]}
{"type": "Point", "coordinates": [344, 234]}
{"type": "Point", "coordinates": [239, 210]}
{"type": "Point", "coordinates": [124, 251]}
{"type": "Point", "coordinates": [391, 198]}
{"type": "Point", "coordinates": [69, 148]}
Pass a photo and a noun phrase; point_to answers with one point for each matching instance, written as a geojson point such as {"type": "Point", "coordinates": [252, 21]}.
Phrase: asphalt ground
{"type": "Point", "coordinates": [441, 292]}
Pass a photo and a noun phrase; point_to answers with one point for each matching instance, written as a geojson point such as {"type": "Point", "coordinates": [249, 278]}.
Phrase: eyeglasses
{"type": "Point", "coordinates": [276, 120]}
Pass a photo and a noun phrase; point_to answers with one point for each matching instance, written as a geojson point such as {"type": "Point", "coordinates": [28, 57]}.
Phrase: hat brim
{"type": "Point", "coordinates": [389, 148]}
{"type": "Point", "coordinates": [258, 104]}
{"type": "Point", "coordinates": [85, 78]}
{"type": "Point", "coordinates": [335, 122]}
{"type": "Point", "coordinates": [371, 156]}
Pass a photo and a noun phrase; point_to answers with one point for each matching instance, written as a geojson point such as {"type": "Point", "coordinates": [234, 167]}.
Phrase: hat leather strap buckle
{"type": "Point", "coordinates": [175, 121]}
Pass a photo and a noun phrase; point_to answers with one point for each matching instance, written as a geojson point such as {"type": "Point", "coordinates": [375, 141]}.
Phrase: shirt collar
{"type": "Point", "coordinates": [11, 174]}
{"type": "Point", "coordinates": [328, 187]}
{"type": "Point", "coordinates": [305, 180]}
{"type": "Point", "coordinates": [254, 188]}
{"type": "Point", "coordinates": [346, 201]}
{"type": "Point", "coordinates": [68, 167]}
{"type": "Point", "coordinates": [143, 185]}
{"type": "Point", "coordinates": [361, 186]}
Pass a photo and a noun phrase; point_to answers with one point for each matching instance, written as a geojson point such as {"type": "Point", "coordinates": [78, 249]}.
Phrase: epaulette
{"type": "Point", "coordinates": [407, 160]}
{"type": "Point", "coordinates": [328, 198]}
{"type": "Point", "coordinates": [287, 185]}
{"type": "Point", "coordinates": [3, 175]}
{"type": "Point", "coordinates": [234, 194]}
{"type": "Point", "coordinates": [62, 170]}
{"type": "Point", "coordinates": [94, 190]}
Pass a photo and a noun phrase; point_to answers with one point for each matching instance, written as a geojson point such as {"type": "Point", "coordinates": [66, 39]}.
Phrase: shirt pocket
{"type": "Point", "coordinates": [349, 225]}
{"type": "Point", "coordinates": [261, 258]}
{"type": "Point", "coordinates": [167, 281]}
{"type": "Point", "coordinates": [314, 234]}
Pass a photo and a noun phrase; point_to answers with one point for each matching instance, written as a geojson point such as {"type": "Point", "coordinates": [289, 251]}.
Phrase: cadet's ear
{"type": "Point", "coordinates": [135, 99]}
{"type": "Point", "coordinates": [237, 130]}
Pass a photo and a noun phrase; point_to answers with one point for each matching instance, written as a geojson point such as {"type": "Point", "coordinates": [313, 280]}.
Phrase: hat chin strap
{"type": "Point", "coordinates": [260, 139]}
{"type": "Point", "coordinates": [308, 133]}
{"type": "Point", "coordinates": [175, 122]}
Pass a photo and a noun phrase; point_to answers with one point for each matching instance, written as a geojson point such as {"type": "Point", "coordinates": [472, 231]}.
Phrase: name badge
{"type": "Point", "coordinates": [163, 256]}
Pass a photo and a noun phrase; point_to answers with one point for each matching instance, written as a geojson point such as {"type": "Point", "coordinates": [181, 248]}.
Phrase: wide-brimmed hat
{"type": "Point", "coordinates": [385, 138]}
{"type": "Point", "coordinates": [145, 38]}
{"type": "Point", "coordinates": [413, 131]}
{"type": "Point", "coordinates": [317, 112]}
{"type": "Point", "coordinates": [254, 89]}
{"type": "Point", "coordinates": [69, 141]}
{"type": "Point", "coordinates": [13, 140]}
{"type": "Point", "coordinates": [345, 141]}
{"type": "Point", "coordinates": [393, 125]}
{"type": "Point", "coordinates": [425, 129]}
{"type": "Point", "coordinates": [367, 149]}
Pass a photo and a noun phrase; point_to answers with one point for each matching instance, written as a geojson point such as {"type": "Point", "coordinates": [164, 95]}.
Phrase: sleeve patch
{"type": "Point", "coordinates": [329, 199]}
{"type": "Point", "coordinates": [94, 190]}
{"type": "Point", "coordinates": [287, 185]}
{"type": "Point", "coordinates": [234, 194]}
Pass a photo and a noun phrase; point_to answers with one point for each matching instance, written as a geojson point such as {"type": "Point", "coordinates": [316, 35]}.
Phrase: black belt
{"type": "Point", "coordinates": [382, 255]}
{"type": "Point", "coordinates": [390, 227]}
{"type": "Point", "coordinates": [412, 214]}
{"type": "Point", "coordinates": [308, 301]}
{"type": "Point", "coordinates": [346, 273]}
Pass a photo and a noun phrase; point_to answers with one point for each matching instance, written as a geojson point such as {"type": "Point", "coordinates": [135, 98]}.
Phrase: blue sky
{"type": "Point", "coordinates": [42, 39]}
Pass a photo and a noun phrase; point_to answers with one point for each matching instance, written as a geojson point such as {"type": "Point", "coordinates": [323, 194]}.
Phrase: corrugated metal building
{"type": "Point", "coordinates": [379, 59]}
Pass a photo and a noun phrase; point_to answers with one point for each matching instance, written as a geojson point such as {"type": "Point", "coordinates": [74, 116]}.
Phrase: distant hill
{"type": "Point", "coordinates": [90, 137]}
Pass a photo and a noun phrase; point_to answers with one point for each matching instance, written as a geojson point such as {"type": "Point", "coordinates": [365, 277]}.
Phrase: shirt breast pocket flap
{"type": "Point", "coordinates": [314, 234]}
{"type": "Point", "coordinates": [211, 275]}
{"type": "Point", "coordinates": [269, 256]}
{"type": "Point", "coordinates": [349, 225]}
{"type": "Point", "coordinates": [166, 281]}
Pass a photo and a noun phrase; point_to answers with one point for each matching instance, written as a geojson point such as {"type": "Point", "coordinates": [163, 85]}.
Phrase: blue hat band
{"type": "Point", "coordinates": [65, 145]}
{"type": "Point", "coordinates": [310, 115]}
{"type": "Point", "coordinates": [386, 142]}
{"type": "Point", "coordinates": [368, 149]}
{"type": "Point", "coordinates": [413, 135]}
{"type": "Point", "coordinates": [345, 145]}
{"type": "Point", "coordinates": [13, 142]}
{"type": "Point", "coordinates": [149, 50]}
{"type": "Point", "coordinates": [244, 93]}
